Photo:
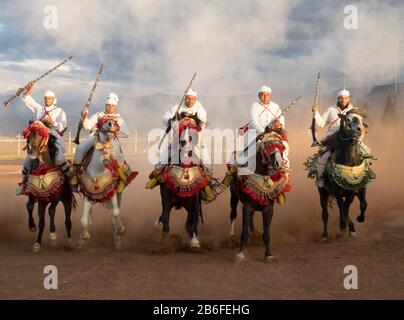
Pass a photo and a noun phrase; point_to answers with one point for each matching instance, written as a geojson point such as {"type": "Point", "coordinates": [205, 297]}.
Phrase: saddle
{"type": "Point", "coordinates": [98, 189]}
{"type": "Point", "coordinates": [44, 183]}
{"type": "Point", "coordinates": [184, 181]}
{"type": "Point", "coordinates": [347, 177]}
{"type": "Point", "coordinates": [265, 189]}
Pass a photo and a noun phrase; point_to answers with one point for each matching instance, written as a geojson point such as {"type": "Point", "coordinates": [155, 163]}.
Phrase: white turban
{"type": "Point", "coordinates": [51, 94]}
{"type": "Point", "coordinates": [191, 92]}
{"type": "Point", "coordinates": [264, 89]}
{"type": "Point", "coordinates": [343, 92]}
{"type": "Point", "coordinates": [112, 99]}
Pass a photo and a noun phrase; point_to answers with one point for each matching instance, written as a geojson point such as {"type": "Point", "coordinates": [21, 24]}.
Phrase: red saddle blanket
{"type": "Point", "coordinates": [44, 183]}
{"type": "Point", "coordinates": [184, 181]}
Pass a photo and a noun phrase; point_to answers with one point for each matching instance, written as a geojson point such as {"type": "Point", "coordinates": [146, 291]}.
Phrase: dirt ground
{"type": "Point", "coordinates": [304, 267]}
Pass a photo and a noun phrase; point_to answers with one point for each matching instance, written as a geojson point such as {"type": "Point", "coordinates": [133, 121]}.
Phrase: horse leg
{"type": "Point", "coordinates": [363, 205]}
{"type": "Point", "coordinates": [233, 205]}
{"type": "Point", "coordinates": [192, 221]}
{"type": "Point", "coordinates": [267, 214]}
{"type": "Point", "coordinates": [30, 208]}
{"type": "Point", "coordinates": [67, 205]}
{"type": "Point", "coordinates": [342, 219]}
{"type": "Point", "coordinates": [165, 215]}
{"type": "Point", "coordinates": [117, 226]}
{"type": "Point", "coordinates": [324, 196]}
{"type": "Point", "coordinates": [247, 211]}
{"type": "Point", "coordinates": [348, 201]}
{"type": "Point", "coordinates": [41, 225]}
{"type": "Point", "coordinates": [158, 224]}
{"type": "Point", "coordinates": [52, 227]}
{"type": "Point", "coordinates": [84, 235]}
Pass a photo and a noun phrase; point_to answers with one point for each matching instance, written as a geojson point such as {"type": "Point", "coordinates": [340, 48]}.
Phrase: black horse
{"type": "Point", "coordinates": [170, 198]}
{"type": "Point", "coordinates": [346, 143]}
{"type": "Point", "coordinates": [267, 164]}
{"type": "Point", "coordinates": [48, 154]}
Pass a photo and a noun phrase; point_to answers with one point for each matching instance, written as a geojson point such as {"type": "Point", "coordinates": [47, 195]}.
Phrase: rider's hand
{"type": "Point", "coordinates": [84, 113]}
{"type": "Point", "coordinates": [29, 88]}
{"type": "Point", "coordinates": [314, 108]}
{"type": "Point", "coordinates": [48, 121]}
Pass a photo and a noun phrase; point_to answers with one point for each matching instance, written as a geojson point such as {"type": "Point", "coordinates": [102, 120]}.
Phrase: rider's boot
{"type": "Point", "coordinates": [229, 176]}
{"type": "Point", "coordinates": [154, 178]}
{"type": "Point", "coordinates": [122, 179]}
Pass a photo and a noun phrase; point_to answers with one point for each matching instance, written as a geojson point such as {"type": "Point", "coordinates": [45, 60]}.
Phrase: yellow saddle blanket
{"type": "Point", "coordinates": [185, 176]}
{"type": "Point", "coordinates": [43, 186]}
{"type": "Point", "coordinates": [100, 188]}
{"type": "Point", "coordinates": [352, 175]}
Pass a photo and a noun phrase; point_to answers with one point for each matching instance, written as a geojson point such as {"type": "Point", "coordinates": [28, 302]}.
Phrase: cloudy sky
{"type": "Point", "coordinates": [235, 46]}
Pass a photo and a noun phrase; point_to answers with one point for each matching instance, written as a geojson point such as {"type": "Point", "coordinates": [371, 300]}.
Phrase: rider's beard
{"type": "Point", "coordinates": [341, 106]}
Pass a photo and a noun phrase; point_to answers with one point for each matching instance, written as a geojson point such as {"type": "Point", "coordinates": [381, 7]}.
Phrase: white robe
{"type": "Point", "coordinates": [200, 150]}
{"type": "Point", "coordinates": [330, 118]}
{"type": "Point", "coordinates": [90, 123]}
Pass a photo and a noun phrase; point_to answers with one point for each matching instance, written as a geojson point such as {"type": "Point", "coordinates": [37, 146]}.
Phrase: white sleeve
{"type": "Point", "coordinates": [89, 123]}
{"type": "Point", "coordinates": [62, 123]}
{"type": "Point", "coordinates": [254, 120]}
{"type": "Point", "coordinates": [31, 104]}
{"type": "Point", "coordinates": [322, 120]}
{"type": "Point", "coordinates": [168, 115]}
{"type": "Point", "coordinates": [202, 115]}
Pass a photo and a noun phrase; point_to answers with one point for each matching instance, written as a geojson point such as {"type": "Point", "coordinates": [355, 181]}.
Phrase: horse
{"type": "Point", "coordinates": [182, 184]}
{"type": "Point", "coordinates": [46, 183]}
{"type": "Point", "coordinates": [259, 191]}
{"type": "Point", "coordinates": [347, 173]}
{"type": "Point", "coordinates": [99, 178]}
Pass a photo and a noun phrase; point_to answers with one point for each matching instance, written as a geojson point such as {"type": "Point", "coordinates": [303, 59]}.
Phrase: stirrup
{"type": "Point", "coordinates": [210, 195]}
{"type": "Point", "coordinates": [151, 183]}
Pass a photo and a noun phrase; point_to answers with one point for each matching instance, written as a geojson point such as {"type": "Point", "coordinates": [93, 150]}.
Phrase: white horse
{"type": "Point", "coordinates": [99, 180]}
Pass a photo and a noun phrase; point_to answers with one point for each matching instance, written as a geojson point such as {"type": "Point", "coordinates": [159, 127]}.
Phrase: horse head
{"type": "Point", "coordinates": [37, 137]}
{"type": "Point", "coordinates": [108, 127]}
{"type": "Point", "coordinates": [352, 127]}
{"type": "Point", "coordinates": [269, 153]}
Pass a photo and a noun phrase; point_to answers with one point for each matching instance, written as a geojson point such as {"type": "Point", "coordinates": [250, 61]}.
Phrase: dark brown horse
{"type": "Point", "coordinates": [347, 154]}
{"type": "Point", "coordinates": [41, 148]}
{"type": "Point", "coordinates": [183, 183]}
{"type": "Point", "coordinates": [269, 168]}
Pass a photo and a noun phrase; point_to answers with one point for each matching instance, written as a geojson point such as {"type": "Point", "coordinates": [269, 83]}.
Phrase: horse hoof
{"type": "Point", "coordinates": [158, 225]}
{"type": "Point", "coordinates": [195, 243]}
{"type": "Point", "coordinates": [269, 258]}
{"type": "Point", "coordinates": [325, 239]}
{"type": "Point", "coordinates": [85, 235]}
{"type": "Point", "coordinates": [240, 256]}
{"type": "Point", "coordinates": [360, 219]}
{"type": "Point", "coordinates": [33, 229]}
{"type": "Point", "coordinates": [352, 234]}
{"type": "Point", "coordinates": [52, 236]}
{"type": "Point", "coordinates": [36, 247]}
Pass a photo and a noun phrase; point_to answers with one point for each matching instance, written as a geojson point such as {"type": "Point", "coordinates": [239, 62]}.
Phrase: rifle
{"type": "Point", "coordinates": [176, 113]}
{"type": "Point", "coordinates": [313, 129]}
{"type": "Point", "coordinates": [90, 97]}
{"type": "Point", "coordinates": [272, 122]}
{"type": "Point", "coordinates": [21, 90]}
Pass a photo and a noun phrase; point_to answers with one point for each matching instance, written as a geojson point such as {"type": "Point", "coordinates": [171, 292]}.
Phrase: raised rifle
{"type": "Point", "coordinates": [22, 90]}
{"type": "Point", "coordinates": [90, 97]}
{"type": "Point", "coordinates": [313, 129]}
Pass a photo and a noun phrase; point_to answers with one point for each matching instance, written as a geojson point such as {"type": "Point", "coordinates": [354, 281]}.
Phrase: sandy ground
{"type": "Point", "coordinates": [305, 268]}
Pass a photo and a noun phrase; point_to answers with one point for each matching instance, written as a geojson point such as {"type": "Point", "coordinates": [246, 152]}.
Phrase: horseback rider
{"type": "Point", "coordinates": [54, 119]}
{"type": "Point", "coordinates": [263, 112]}
{"type": "Point", "coordinates": [90, 124]}
{"type": "Point", "coordinates": [331, 118]}
{"type": "Point", "coordinates": [194, 108]}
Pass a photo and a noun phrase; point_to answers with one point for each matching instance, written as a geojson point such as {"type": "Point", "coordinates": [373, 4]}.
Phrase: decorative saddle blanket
{"type": "Point", "coordinates": [350, 178]}
{"type": "Point", "coordinates": [44, 183]}
{"type": "Point", "coordinates": [99, 189]}
{"type": "Point", "coordinates": [265, 189]}
{"type": "Point", "coordinates": [184, 181]}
